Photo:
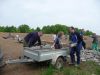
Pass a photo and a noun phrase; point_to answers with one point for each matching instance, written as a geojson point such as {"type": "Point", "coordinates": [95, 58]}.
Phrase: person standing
{"type": "Point", "coordinates": [75, 45]}
{"type": "Point", "coordinates": [95, 42]}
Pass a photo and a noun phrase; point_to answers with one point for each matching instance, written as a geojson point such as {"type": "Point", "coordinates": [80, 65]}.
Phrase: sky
{"type": "Point", "coordinates": [78, 13]}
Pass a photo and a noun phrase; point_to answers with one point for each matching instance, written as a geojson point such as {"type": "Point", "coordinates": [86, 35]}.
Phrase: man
{"type": "Point", "coordinates": [83, 42]}
{"type": "Point", "coordinates": [32, 38]}
{"type": "Point", "coordinates": [75, 45]}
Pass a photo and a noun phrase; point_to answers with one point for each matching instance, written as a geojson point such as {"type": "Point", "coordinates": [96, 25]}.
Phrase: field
{"type": "Point", "coordinates": [11, 48]}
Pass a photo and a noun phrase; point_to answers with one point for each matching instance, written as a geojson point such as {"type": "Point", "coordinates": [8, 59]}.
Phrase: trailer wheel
{"type": "Point", "coordinates": [59, 63]}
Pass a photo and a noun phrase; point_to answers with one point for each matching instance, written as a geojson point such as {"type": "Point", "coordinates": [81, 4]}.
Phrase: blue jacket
{"type": "Point", "coordinates": [32, 38]}
{"type": "Point", "coordinates": [76, 38]}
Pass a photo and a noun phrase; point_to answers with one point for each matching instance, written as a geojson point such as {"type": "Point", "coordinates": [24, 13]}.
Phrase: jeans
{"type": "Point", "coordinates": [76, 50]}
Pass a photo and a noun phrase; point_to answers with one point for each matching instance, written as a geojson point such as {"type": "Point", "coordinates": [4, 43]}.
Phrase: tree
{"type": "Point", "coordinates": [31, 30]}
{"type": "Point", "coordinates": [88, 33]}
{"type": "Point", "coordinates": [49, 29]}
{"type": "Point", "coordinates": [9, 29]}
{"type": "Point", "coordinates": [2, 28]}
{"type": "Point", "coordinates": [13, 29]}
{"type": "Point", "coordinates": [55, 29]}
{"type": "Point", "coordinates": [24, 28]}
{"type": "Point", "coordinates": [37, 29]}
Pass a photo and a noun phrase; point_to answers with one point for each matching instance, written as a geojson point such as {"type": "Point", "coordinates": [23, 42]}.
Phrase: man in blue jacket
{"type": "Point", "coordinates": [32, 38]}
{"type": "Point", "coordinates": [75, 45]}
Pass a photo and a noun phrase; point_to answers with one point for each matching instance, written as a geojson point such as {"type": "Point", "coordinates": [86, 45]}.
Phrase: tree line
{"type": "Point", "coordinates": [49, 29]}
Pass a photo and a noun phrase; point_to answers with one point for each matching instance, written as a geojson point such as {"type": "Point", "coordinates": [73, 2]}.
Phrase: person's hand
{"type": "Point", "coordinates": [52, 46]}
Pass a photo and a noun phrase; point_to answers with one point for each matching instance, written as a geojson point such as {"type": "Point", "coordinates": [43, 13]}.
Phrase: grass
{"type": "Point", "coordinates": [48, 71]}
{"type": "Point", "coordinates": [86, 68]}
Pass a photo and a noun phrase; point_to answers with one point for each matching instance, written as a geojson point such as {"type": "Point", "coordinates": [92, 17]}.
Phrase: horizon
{"type": "Point", "coordinates": [83, 14]}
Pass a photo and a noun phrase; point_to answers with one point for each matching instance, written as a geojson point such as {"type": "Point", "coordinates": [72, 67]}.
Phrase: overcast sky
{"type": "Point", "coordinates": [79, 13]}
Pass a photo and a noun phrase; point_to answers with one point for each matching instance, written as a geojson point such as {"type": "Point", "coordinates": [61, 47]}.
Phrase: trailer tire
{"type": "Point", "coordinates": [59, 63]}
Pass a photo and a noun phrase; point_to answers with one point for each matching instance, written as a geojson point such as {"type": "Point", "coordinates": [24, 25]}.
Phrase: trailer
{"type": "Point", "coordinates": [57, 57]}
{"type": "Point", "coordinates": [1, 59]}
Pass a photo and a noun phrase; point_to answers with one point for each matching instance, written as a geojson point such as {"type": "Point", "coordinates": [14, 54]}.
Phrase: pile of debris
{"type": "Point", "coordinates": [93, 55]}
{"type": "Point", "coordinates": [14, 37]}
{"type": "Point", "coordinates": [9, 36]}
{"type": "Point", "coordinates": [19, 39]}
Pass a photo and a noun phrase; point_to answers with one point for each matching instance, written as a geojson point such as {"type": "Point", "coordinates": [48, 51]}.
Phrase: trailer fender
{"type": "Point", "coordinates": [54, 59]}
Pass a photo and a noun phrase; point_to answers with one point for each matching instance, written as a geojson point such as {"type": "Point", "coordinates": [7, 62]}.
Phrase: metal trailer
{"type": "Point", "coordinates": [1, 58]}
{"type": "Point", "coordinates": [57, 57]}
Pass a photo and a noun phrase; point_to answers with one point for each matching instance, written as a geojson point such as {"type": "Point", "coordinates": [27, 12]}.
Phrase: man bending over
{"type": "Point", "coordinates": [32, 39]}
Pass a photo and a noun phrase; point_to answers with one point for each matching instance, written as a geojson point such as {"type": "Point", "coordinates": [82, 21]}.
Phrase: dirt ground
{"type": "Point", "coordinates": [11, 48]}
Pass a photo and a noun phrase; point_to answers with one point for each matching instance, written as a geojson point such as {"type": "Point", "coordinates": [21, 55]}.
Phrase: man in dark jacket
{"type": "Point", "coordinates": [32, 38]}
{"type": "Point", "coordinates": [75, 45]}
{"type": "Point", "coordinates": [83, 42]}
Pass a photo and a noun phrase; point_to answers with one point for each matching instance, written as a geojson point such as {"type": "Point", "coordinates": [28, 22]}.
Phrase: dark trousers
{"type": "Point", "coordinates": [76, 50]}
